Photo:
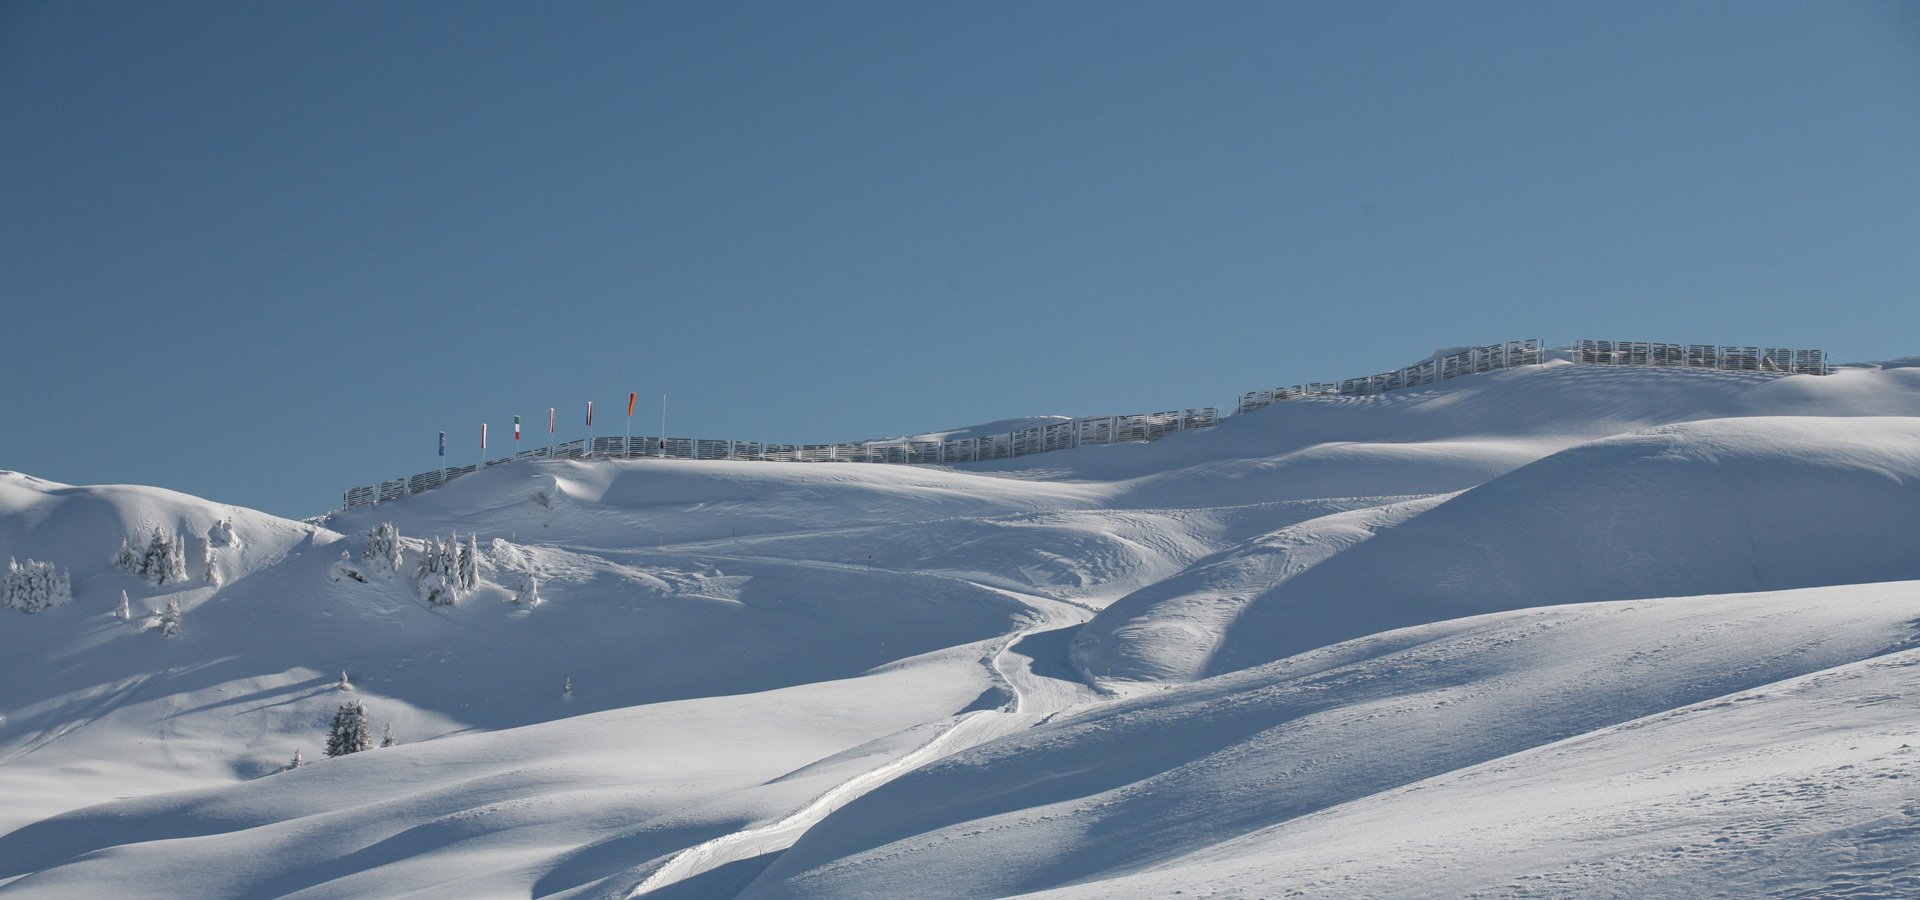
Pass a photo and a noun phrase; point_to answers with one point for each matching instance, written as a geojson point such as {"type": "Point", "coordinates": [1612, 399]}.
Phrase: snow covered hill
{"type": "Point", "coordinates": [1704, 507]}
{"type": "Point", "coordinates": [1226, 782]}
{"type": "Point", "coordinates": [1520, 633]}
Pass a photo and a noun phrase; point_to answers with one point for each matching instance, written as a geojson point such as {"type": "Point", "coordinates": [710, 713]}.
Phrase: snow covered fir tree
{"type": "Point", "coordinates": [528, 596]}
{"type": "Point", "coordinates": [350, 731]}
{"type": "Point", "coordinates": [163, 561]}
{"type": "Point", "coordinates": [449, 567]}
{"type": "Point", "coordinates": [383, 547]}
{"type": "Point", "coordinates": [35, 586]}
{"type": "Point", "coordinates": [209, 563]}
{"type": "Point", "coordinates": [223, 533]}
{"type": "Point", "coordinates": [168, 618]}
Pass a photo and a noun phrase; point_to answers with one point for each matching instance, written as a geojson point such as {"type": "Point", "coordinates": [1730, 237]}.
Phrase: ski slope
{"type": "Point", "coordinates": [1530, 633]}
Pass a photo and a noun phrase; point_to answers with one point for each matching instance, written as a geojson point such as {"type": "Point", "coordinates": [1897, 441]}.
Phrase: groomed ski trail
{"type": "Point", "coordinates": [1036, 698]}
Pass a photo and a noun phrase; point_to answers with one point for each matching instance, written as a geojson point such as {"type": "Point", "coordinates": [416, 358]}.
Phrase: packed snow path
{"type": "Point", "coordinates": [1030, 664]}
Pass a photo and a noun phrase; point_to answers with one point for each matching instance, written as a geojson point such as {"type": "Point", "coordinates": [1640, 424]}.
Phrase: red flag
{"type": "Point", "coordinates": [630, 398]}
{"type": "Point", "coordinates": [589, 413]}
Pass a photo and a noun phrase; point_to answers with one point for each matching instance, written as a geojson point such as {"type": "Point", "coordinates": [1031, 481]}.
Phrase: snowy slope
{"type": "Point", "coordinates": [903, 673]}
{"type": "Point", "coordinates": [1168, 779]}
{"type": "Point", "coordinates": [1705, 507]}
{"type": "Point", "coordinates": [80, 528]}
{"type": "Point", "coordinates": [1808, 788]}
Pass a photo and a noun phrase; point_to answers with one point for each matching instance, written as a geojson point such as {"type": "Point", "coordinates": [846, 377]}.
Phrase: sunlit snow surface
{"type": "Point", "coordinates": [1542, 632]}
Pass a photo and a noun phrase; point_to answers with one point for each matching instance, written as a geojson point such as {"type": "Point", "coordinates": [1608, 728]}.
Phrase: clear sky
{"type": "Point", "coordinates": [261, 252]}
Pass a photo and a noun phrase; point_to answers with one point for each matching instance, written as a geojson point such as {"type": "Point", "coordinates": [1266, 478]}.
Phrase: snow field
{"type": "Point", "coordinates": [1324, 648]}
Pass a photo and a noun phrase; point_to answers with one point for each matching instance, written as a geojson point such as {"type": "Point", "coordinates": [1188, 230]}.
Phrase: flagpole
{"type": "Point", "coordinates": [663, 425]}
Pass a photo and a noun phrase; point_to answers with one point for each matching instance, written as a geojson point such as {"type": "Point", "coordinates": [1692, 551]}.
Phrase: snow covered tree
{"type": "Point", "coordinates": [35, 586]}
{"type": "Point", "coordinates": [383, 546]}
{"type": "Point", "coordinates": [163, 562]}
{"type": "Point", "coordinates": [343, 684]}
{"type": "Point", "coordinates": [349, 733]}
{"type": "Point", "coordinates": [170, 618]}
{"type": "Point", "coordinates": [437, 589]}
{"type": "Point", "coordinates": [566, 690]}
{"type": "Point", "coordinates": [469, 563]}
{"type": "Point", "coordinates": [386, 737]}
{"type": "Point", "coordinates": [127, 559]}
{"type": "Point", "coordinates": [223, 532]}
{"type": "Point", "coordinates": [125, 612]}
{"type": "Point", "coordinates": [529, 593]}
{"type": "Point", "coordinates": [438, 579]}
{"type": "Point", "coordinates": [208, 562]}
{"type": "Point", "coordinates": [294, 763]}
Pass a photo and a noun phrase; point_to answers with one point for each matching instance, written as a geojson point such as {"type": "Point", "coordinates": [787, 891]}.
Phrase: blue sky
{"type": "Point", "coordinates": [263, 252]}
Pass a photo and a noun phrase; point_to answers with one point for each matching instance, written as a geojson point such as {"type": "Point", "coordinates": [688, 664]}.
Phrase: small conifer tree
{"type": "Point", "coordinates": [210, 563]}
{"type": "Point", "coordinates": [386, 736]}
{"type": "Point", "coordinates": [294, 763]}
{"type": "Point", "coordinates": [149, 560]}
{"type": "Point", "coordinates": [383, 547]}
{"type": "Point", "coordinates": [170, 618]}
{"type": "Point", "coordinates": [165, 561]}
{"type": "Point", "coordinates": [178, 558]}
{"type": "Point", "coordinates": [437, 579]}
{"type": "Point", "coordinates": [125, 612]}
{"type": "Point", "coordinates": [529, 594]}
{"type": "Point", "coordinates": [126, 559]}
{"type": "Point", "coordinates": [349, 732]}
{"type": "Point", "coordinates": [469, 563]}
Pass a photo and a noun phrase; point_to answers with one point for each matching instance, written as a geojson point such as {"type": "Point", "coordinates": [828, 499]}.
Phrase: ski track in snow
{"type": "Point", "coordinates": [1036, 699]}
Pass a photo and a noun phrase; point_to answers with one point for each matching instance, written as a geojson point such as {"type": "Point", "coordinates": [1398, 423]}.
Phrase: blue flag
{"type": "Point", "coordinates": [443, 443]}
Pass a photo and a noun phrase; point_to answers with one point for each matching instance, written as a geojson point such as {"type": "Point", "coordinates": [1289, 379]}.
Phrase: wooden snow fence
{"type": "Point", "coordinates": [1453, 365]}
{"type": "Point", "coordinates": [1008, 445]}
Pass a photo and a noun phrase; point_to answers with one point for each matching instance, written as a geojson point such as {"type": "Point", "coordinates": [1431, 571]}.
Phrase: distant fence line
{"type": "Point", "coordinates": [1078, 432]}
{"type": "Point", "coordinates": [1453, 365]}
{"type": "Point", "coordinates": [1139, 427]}
{"type": "Point", "coordinates": [1779, 360]}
